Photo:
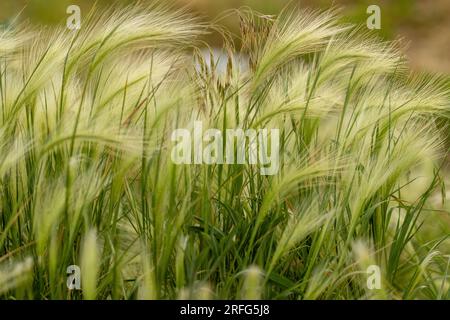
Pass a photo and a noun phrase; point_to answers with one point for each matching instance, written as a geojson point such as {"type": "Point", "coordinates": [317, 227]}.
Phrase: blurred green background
{"type": "Point", "coordinates": [424, 24]}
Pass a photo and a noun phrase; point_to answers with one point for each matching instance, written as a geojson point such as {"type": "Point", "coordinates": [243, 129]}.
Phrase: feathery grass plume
{"type": "Point", "coordinates": [252, 287]}
{"type": "Point", "coordinates": [372, 279]}
{"type": "Point", "coordinates": [148, 290]}
{"type": "Point", "coordinates": [90, 263]}
{"type": "Point", "coordinates": [294, 35]}
{"type": "Point", "coordinates": [15, 275]}
{"type": "Point", "coordinates": [12, 40]}
{"type": "Point", "coordinates": [86, 175]}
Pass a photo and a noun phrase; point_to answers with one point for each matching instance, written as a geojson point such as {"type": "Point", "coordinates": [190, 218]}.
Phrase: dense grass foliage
{"type": "Point", "coordinates": [87, 177]}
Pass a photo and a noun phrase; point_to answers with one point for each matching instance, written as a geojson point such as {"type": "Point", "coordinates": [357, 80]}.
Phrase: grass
{"type": "Point", "coordinates": [87, 178]}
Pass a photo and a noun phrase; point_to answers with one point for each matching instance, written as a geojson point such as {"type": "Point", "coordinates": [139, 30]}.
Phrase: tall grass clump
{"type": "Point", "coordinates": [86, 176]}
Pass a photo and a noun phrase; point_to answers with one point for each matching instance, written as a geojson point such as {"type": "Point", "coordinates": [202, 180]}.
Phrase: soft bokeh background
{"type": "Point", "coordinates": [424, 24]}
